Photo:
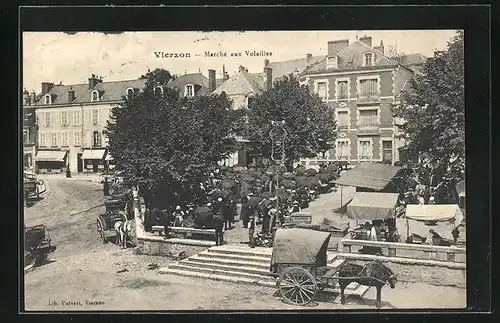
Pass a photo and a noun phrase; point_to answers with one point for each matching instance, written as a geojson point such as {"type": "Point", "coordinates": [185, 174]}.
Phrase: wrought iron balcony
{"type": "Point", "coordinates": [368, 98]}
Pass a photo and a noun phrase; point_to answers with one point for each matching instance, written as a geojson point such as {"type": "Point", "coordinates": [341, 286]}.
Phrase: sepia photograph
{"type": "Point", "coordinates": [244, 170]}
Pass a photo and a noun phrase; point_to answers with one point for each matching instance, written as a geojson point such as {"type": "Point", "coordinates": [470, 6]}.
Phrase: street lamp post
{"type": "Point", "coordinates": [278, 135]}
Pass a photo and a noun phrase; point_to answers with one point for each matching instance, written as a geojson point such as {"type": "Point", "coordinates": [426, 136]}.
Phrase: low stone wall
{"type": "Point", "coordinates": [162, 248]}
{"type": "Point", "coordinates": [421, 273]}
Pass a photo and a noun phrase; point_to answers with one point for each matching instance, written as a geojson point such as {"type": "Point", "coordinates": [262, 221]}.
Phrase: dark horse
{"type": "Point", "coordinates": [372, 274]}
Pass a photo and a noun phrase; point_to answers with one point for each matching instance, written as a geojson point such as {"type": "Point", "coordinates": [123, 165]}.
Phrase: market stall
{"type": "Point", "coordinates": [379, 208]}
{"type": "Point", "coordinates": [442, 218]}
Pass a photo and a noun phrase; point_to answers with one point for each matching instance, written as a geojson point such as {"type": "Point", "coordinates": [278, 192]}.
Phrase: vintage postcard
{"type": "Point", "coordinates": [249, 170]}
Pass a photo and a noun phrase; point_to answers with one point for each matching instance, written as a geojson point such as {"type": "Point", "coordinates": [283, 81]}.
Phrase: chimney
{"type": "Point", "coordinates": [367, 40]}
{"type": "Point", "coordinates": [33, 97]}
{"type": "Point", "coordinates": [93, 81]}
{"type": "Point", "coordinates": [336, 46]}
{"type": "Point", "coordinates": [211, 81]}
{"type": "Point", "coordinates": [266, 62]}
{"type": "Point", "coordinates": [71, 95]}
{"type": "Point", "coordinates": [241, 68]}
{"type": "Point", "coordinates": [268, 78]}
{"type": "Point", "coordinates": [308, 59]}
{"type": "Point", "coordinates": [46, 87]}
{"type": "Point", "coordinates": [380, 48]}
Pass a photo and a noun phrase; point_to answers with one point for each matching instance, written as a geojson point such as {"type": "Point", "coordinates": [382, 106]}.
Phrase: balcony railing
{"type": "Point", "coordinates": [368, 129]}
{"type": "Point", "coordinates": [368, 98]}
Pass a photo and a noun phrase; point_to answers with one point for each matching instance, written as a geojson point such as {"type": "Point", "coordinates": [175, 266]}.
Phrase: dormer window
{"type": "Point", "coordinates": [189, 90]}
{"type": "Point", "coordinates": [48, 99]}
{"type": "Point", "coordinates": [94, 96]}
{"type": "Point", "coordinates": [130, 92]}
{"type": "Point", "coordinates": [368, 59]}
{"type": "Point", "coordinates": [159, 91]}
{"type": "Point", "coordinates": [332, 62]}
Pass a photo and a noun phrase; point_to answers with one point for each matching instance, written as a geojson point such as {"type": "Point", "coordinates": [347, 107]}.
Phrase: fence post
{"type": "Point", "coordinates": [451, 256]}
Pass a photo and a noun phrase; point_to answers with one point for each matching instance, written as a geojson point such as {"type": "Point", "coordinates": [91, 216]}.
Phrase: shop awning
{"type": "Point", "coordinates": [108, 157]}
{"type": "Point", "coordinates": [434, 212]}
{"type": "Point", "coordinates": [50, 155]}
{"type": "Point", "coordinates": [372, 206]}
{"type": "Point", "coordinates": [93, 153]}
{"type": "Point", "coordinates": [369, 175]}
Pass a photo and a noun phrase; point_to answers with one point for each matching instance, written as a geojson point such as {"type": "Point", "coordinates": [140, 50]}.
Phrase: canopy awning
{"type": "Point", "coordinates": [93, 153]}
{"type": "Point", "coordinates": [372, 206]}
{"type": "Point", "coordinates": [300, 246]}
{"type": "Point", "coordinates": [369, 175]}
{"type": "Point", "coordinates": [434, 212]}
{"type": "Point", "coordinates": [50, 155]}
{"type": "Point", "coordinates": [108, 157]}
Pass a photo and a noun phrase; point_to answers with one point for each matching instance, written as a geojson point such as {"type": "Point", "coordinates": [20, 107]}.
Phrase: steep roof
{"type": "Point", "coordinates": [193, 78]}
{"type": "Point", "coordinates": [414, 59]}
{"type": "Point", "coordinates": [287, 67]}
{"type": "Point", "coordinates": [351, 58]}
{"type": "Point", "coordinates": [108, 91]}
{"type": "Point", "coordinates": [369, 175]}
{"type": "Point", "coordinates": [113, 91]}
{"type": "Point", "coordinates": [242, 83]}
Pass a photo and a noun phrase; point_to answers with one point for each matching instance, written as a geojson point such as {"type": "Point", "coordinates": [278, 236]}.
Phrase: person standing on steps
{"type": "Point", "coordinates": [219, 225]}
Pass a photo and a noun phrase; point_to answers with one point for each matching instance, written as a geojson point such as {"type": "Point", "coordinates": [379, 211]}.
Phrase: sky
{"type": "Point", "coordinates": [72, 58]}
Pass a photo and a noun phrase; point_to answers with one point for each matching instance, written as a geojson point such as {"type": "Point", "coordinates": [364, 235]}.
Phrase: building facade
{"type": "Point", "coordinates": [241, 88]}
{"type": "Point", "coordinates": [361, 84]}
{"type": "Point", "coordinates": [72, 120]}
{"type": "Point", "coordinates": [29, 130]}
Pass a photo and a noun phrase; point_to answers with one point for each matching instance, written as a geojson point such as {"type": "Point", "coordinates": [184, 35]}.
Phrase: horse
{"type": "Point", "coordinates": [123, 231]}
{"type": "Point", "coordinates": [372, 274]}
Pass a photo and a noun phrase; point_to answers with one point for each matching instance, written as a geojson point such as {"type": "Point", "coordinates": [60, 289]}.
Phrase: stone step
{"type": "Point", "coordinates": [241, 280]}
{"type": "Point", "coordinates": [227, 271]}
{"type": "Point", "coordinates": [201, 258]}
{"type": "Point", "coordinates": [242, 250]}
{"type": "Point", "coordinates": [240, 268]}
{"type": "Point", "coordinates": [236, 257]}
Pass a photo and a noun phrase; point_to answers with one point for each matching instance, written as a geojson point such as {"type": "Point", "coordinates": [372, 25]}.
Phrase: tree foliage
{"type": "Point", "coordinates": [309, 123]}
{"type": "Point", "coordinates": [433, 110]}
{"type": "Point", "coordinates": [165, 142]}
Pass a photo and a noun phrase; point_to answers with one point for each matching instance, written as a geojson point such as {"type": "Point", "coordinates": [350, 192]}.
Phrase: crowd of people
{"type": "Point", "coordinates": [254, 188]}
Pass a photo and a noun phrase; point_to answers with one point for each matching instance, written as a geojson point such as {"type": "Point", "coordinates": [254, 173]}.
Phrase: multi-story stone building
{"type": "Point", "coordinates": [72, 120]}
{"type": "Point", "coordinates": [29, 130]}
{"type": "Point", "coordinates": [361, 84]}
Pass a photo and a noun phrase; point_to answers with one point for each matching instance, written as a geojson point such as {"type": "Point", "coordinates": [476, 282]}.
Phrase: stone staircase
{"type": "Point", "coordinates": [241, 264]}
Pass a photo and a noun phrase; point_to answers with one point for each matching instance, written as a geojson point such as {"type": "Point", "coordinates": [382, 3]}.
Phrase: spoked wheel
{"type": "Point", "coordinates": [100, 231]}
{"type": "Point", "coordinates": [297, 286]}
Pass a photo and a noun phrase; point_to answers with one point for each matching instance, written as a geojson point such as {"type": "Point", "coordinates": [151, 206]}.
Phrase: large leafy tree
{"type": "Point", "coordinates": [309, 123]}
{"type": "Point", "coordinates": [433, 111]}
{"type": "Point", "coordinates": [166, 143]}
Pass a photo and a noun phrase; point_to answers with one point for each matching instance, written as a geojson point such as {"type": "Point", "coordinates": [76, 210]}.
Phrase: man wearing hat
{"type": "Point", "coordinates": [219, 222]}
{"type": "Point", "coordinates": [295, 207]}
{"type": "Point", "coordinates": [178, 216]}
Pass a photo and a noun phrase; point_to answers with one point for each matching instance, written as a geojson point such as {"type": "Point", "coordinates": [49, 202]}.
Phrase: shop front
{"type": "Point", "coordinates": [51, 161]}
{"type": "Point", "coordinates": [93, 160]}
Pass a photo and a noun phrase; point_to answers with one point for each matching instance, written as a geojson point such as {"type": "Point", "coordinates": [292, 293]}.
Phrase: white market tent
{"type": "Point", "coordinates": [372, 206]}
{"type": "Point", "coordinates": [448, 217]}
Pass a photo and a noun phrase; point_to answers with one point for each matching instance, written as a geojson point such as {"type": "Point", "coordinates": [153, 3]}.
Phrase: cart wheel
{"type": "Point", "coordinates": [297, 286]}
{"type": "Point", "coordinates": [100, 231]}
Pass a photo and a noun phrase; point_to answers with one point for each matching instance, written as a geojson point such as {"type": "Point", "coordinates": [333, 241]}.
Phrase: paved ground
{"type": "Point", "coordinates": [83, 269]}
